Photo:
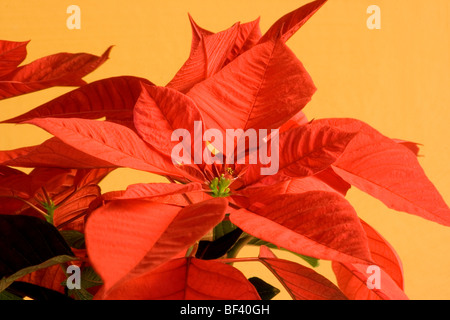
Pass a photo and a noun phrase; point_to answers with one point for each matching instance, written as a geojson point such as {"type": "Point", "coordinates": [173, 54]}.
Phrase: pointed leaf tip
{"type": "Point", "coordinates": [287, 26]}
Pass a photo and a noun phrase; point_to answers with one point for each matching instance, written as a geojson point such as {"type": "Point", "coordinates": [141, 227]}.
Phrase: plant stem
{"type": "Point", "coordinates": [233, 260]}
{"type": "Point", "coordinates": [46, 196]}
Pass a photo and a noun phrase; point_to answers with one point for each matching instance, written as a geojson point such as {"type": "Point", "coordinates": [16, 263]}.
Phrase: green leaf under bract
{"type": "Point", "coordinates": [5, 295]}
{"type": "Point", "coordinates": [313, 262]}
{"type": "Point", "coordinates": [265, 290]}
{"type": "Point", "coordinates": [28, 244]}
{"type": "Point", "coordinates": [8, 280]}
{"type": "Point", "coordinates": [215, 249]}
{"type": "Point", "coordinates": [89, 278]}
{"type": "Point", "coordinates": [74, 238]}
{"type": "Point", "coordinates": [35, 292]}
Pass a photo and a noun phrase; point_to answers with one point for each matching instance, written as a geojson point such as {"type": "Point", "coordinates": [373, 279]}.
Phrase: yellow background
{"type": "Point", "coordinates": [396, 79]}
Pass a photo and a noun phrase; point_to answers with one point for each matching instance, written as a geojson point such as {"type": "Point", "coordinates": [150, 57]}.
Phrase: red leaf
{"type": "Point", "coordinates": [388, 171]}
{"type": "Point", "coordinates": [352, 280]}
{"type": "Point", "coordinates": [211, 51]}
{"type": "Point", "coordinates": [287, 25]}
{"type": "Point", "coordinates": [15, 182]}
{"type": "Point", "coordinates": [180, 199]}
{"type": "Point", "coordinates": [73, 206]}
{"type": "Point", "coordinates": [147, 191]}
{"type": "Point", "coordinates": [317, 224]}
{"type": "Point", "coordinates": [413, 146]}
{"type": "Point", "coordinates": [297, 120]}
{"type": "Point", "coordinates": [248, 36]}
{"type": "Point", "coordinates": [302, 283]}
{"type": "Point", "coordinates": [304, 151]}
{"type": "Point", "coordinates": [84, 177]}
{"type": "Point", "coordinates": [197, 32]}
{"type": "Point", "coordinates": [208, 54]}
{"type": "Point", "coordinates": [261, 89]}
{"type": "Point", "coordinates": [157, 116]}
{"type": "Point", "coordinates": [50, 278]}
{"type": "Point", "coordinates": [109, 142]}
{"type": "Point", "coordinates": [187, 279]}
{"type": "Point", "coordinates": [112, 98]}
{"type": "Point", "coordinates": [245, 197]}
{"type": "Point", "coordinates": [126, 239]}
{"type": "Point", "coordinates": [62, 69]}
{"type": "Point", "coordinates": [51, 153]}
{"type": "Point", "coordinates": [12, 54]}
{"type": "Point", "coordinates": [333, 180]}
{"type": "Point", "coordinates": [384, 257]}
{"type": "Point", "coordinates": [53, 180]}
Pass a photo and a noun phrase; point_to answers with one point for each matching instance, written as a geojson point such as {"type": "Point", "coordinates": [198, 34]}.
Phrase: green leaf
{"type": "Point", "coordinates": [74, 239]}
{"type": "Point", "coordinates": [5, 295]}
{"type": "Point", "coordinates": [28, 244]}
{"type": "Point", "coordinates": [223, 228]}
{"type": "Point", "coordinates": [80, 294]}
{"type": "Point", "coordinates": [89, 279]}
{"type": "Point", "coordinates": [35, 292]}
{"type": "Point", "coordinates": [265, 290]}
{"type": "Point", "coordinates": [208, 250]}
{"type": "Point", "coordinates": [313, 262]}
{"type": "Point", "coordinates": [6, 281]}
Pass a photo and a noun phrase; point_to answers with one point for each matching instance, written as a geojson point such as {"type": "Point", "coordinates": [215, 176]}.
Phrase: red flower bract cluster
{"type": "Point", "coordinates": [173, 240]}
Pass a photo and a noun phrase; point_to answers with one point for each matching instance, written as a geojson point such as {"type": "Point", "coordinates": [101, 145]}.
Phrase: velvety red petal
{"type": "Point", "coordinates": [126, 239]}
{"type": "Point", "coordinates": [287, 25]}
{"type": "Point", "coordinates": [261, 89]}
{"type": "Point", "coordinates": [112, 98]}
{"type": "Point", "coordinates": [147, 191]}
{"type": "Point", "coordinates": [108, 142]}
{"type": "Point", "coordinates": [12, 53]}
{"type": "Point", "coordinates": [51, 153]}
{"type": "Point", "coordinates": [187, 279]}
{"type": "Point", "coordinates": [352, 280]}
{"type": "Point", "coordinates": [388, 171]}
{"type": "Point", "coordinates": [62, 69]}
{"type": "Point", "coordinates": [301, 283]}
{"type": "Point", "coordinates": [157, 116]}
{"type": "Point", "coordinates": [209, 52]}
{"type": "Point", "coordinates": [303, 151]}
{"type": "Point", "coordinates": [317, 224]}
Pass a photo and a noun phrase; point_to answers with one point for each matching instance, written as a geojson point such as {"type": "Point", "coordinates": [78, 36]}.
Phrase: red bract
{"type": "Point", "coordinates": [142, 241]}
{"type": "Point", "coordinates": [352, 278]}
{"type": "Point", "coordinates": [61, 69]}
{"type": "Point", "coordinates": [60, 196]}
{"type": "Point", "coordinates": [68, 192]}
{"type": "Point", "coordinates": [154, 232]}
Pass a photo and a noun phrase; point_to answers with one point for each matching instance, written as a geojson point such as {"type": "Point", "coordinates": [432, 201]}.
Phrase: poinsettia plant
{"type": "Point", "coordinates": [244, 166]}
